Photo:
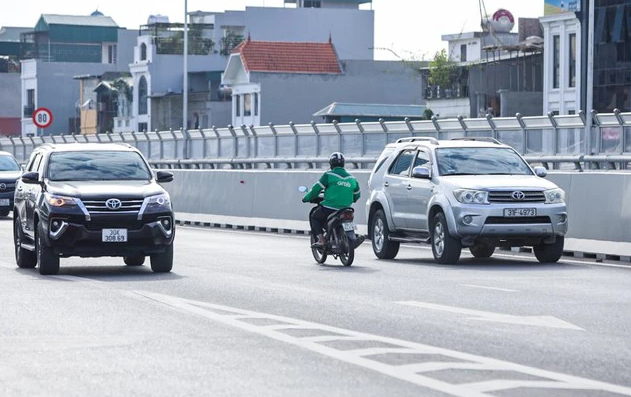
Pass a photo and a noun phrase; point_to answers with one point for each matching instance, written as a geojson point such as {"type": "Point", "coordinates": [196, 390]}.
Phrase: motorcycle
{"type": "Point", "coordinates": [339, 234]}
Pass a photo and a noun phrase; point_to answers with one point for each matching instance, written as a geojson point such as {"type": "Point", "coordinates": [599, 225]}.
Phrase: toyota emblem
{"type": "Point", "coordinates": [3, 186]}
{"type": "Point", "coordinates": [518, 196]}
{"type": "Point", "coordinates": [113, 204]}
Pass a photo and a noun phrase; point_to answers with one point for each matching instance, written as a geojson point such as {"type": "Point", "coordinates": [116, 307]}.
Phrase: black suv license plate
{"type": "Point", "coordinates": [519, 212]}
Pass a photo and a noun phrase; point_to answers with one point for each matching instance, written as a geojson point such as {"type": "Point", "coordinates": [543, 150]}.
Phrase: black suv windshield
{"type": "Point", "coordinates": [480, 161]}
{"type": "Point", "coordinates": [8, 163]}
{"type": "Point", "coordinates": [97, 166]}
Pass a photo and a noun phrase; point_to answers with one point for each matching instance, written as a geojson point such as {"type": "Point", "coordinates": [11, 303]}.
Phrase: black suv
{"type": "Point", "coordinates": [9, 173]}
{"type": "Point", "coordinates": [92, 200]}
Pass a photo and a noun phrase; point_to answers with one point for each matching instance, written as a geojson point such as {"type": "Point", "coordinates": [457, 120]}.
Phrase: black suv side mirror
{"type": "Point", "coordinates": [421, 172]}
{"type": "Point", "coordinates": [31, 177]}
{"type": "Point", "coordinates": [164, 176]}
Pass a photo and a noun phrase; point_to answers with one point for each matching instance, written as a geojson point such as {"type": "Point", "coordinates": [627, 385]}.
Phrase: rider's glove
{"type": "Point", "coordinates": [304, 200]}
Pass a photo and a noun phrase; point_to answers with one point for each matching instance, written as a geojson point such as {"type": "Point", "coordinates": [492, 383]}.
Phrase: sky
{"type": "Point", "coordinates": [404, 29]}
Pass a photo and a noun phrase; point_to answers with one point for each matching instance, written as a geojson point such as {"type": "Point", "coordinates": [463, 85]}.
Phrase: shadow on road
{"type": "Point", "coordinates": [341, 268]}
{"type": "Point", "coordinates": [492, 264]}
{"type": "Point", "coordinates": [107, 273]}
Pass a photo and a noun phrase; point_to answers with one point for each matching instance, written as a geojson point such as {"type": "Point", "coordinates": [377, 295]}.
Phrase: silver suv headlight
{"type": "Point", "coordinates": [467, 196]}
{"type": "Point", "coordinates": [555, 196]}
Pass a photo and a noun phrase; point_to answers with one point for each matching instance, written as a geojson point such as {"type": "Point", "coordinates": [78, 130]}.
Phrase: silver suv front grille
{"type": "Point", "coordinates": [506, 196]}
{"type": "Point", "coordinates": [99, 206]}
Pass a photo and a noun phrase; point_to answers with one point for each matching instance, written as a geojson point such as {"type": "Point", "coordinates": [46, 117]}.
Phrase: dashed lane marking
{"type": "Point", "coordinates": [429, 359]}
{"type": "Point", "coordinates": [491, 288]}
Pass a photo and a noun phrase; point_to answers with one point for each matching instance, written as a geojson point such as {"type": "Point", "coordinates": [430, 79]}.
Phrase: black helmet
{"type": "Point", "coordinates": [336, 160]}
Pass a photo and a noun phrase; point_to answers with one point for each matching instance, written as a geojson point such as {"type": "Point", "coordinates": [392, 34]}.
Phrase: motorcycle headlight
{"type": "Point", "coordinates": [555, 196]}
{"type": "Point", "coordinates": [60, 201]}
{"type": "Point", "coordinates": [467, 196]}
{"type": "Point", "coordinates": [159, 202]}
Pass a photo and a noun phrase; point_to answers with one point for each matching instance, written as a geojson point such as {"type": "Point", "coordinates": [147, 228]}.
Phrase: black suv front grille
{"type": "Point", "coordinates": [100, 206]}
{"type": "Point", "coordinates": [506, 196]}
{"type": "Point", "coordinates": [115, 222]}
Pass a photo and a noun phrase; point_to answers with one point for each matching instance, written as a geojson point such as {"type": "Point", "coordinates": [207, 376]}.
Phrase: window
{"type": "Point", "coordinates": [556, 54]}
{"type": "Point", "coordinates": [143, 52]}
{"type": "Point", "coordinates": [237, 105]}
{"type": "Point", "coordinates": [312, 4]}
{"type": "Point", "coordinates": [142, 95]}
{"type": "Point", "coordinates": [111, 53]}
{"type": "Point", "coordinates": [97, 166]}
{"type": "Point", "coordinates": [572, 63]}
{"type": "Point", "coordinates": [480, 161]}
{"type": "Point", "coordinates": [33, 167]}
{"type": "Point", "coordinates": [247, 105]}
{"type": "Point", "coordinates": [142, 127]}
{"type": "Point", "coordinates": [421, 159]}
{"type": "Point", "coordinates": [402, 165]}
{"type": "Point", "coordinates": [463, 53]}
{"type": "Point", "coordinates": [8, 163]}
{"type": "Point", "coordinates": [256, 104]}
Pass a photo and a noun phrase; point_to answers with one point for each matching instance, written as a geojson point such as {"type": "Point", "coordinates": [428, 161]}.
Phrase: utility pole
{"type": "Point", "coordinates": [185, 83]}
{"type": "Point", "coordinates": [589, 92]}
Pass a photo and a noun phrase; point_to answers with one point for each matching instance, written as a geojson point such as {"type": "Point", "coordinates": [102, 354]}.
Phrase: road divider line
{"type": "Point", "coordinates": [367, 359]}
{"type": "Point", "coordinates": [491, 288]}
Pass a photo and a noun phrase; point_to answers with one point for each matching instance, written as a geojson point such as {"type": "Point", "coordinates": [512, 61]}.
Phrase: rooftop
{"type": "Point", "coordinates": [371, 110]}
{"type": "Point", "coordinates": [288, 57]}
{"type": "Point", "coordinates": [79, 20]}
{"type": "Point", "coordinates": [11, 33]}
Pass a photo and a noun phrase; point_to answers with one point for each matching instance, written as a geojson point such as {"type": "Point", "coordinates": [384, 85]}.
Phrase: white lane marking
{"type": "Point", "coordinates": [539, 321]}
{"type": "Point", "coordinates": [491, 288]}
{"type": "Point", "coordinates": [225, 315]}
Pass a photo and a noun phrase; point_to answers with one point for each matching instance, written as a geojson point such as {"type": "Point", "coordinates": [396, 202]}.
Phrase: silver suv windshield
{"type": "Point", "coordinates": [97, 166]}
{"type": "Point", "coordinates": [480, 161]}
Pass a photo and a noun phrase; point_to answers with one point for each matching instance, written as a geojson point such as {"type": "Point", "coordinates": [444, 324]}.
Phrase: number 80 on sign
{"type": "Point", "coordinates": [42, 117]}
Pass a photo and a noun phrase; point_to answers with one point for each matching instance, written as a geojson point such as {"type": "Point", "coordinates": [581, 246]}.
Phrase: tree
{"type": "Point", "coordinates": [442, 71]}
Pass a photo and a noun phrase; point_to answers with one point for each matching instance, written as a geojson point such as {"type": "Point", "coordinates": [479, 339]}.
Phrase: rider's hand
{"type": "Point", "coordinates": [304, 200]}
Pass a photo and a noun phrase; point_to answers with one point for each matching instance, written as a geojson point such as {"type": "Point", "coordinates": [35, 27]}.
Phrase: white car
{"type": "Point", "coordinates": [474, 192]}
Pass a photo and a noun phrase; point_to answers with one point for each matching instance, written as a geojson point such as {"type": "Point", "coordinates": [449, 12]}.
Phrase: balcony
{"type": "Point", "coordinates": [454, 92]}
{"type": "Point", "coordinates": [28, 111]}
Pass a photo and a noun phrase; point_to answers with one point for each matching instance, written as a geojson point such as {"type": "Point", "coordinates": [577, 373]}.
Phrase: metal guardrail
{"type": "Point", "coordinates": [578, 162]}
{"type": "Point", "coordinates": [555, 136]}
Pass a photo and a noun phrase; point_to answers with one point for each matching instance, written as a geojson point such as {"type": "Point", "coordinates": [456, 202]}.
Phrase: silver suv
{"type": "Point", "coordinates": [471, 192]}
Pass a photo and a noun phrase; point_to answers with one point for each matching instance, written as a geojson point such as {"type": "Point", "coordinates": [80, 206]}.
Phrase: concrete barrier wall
{"type": "Point", "coordinates": [599, 204]}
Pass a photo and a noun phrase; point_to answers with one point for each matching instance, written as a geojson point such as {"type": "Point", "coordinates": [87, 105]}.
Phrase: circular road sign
{"type": "Point", "coordinates": [42, 117]}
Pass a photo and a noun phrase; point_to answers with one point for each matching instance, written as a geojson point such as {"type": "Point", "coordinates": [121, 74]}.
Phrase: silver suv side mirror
{"type": "Point", "coordinates": [541, 172]}
{"type": "Point", "coordinates": [421, 172]}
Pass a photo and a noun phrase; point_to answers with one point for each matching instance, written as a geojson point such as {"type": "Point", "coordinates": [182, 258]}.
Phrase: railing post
{"type": "Point", "coordinates": [218, 141]}
{"type": "Point", "coordinates": [244, 128]}
{"type": "Point", "coordinates": [316, 131]}
{"type": "Point", "coordinates": [293, 129]}
{"type": "Point", "coordinates": [235, 145]}
{"type": "Point", "coordinates": [524, 136]}
{"type": "Point", "coordinates": [12, 146]}
{"type": "Point", "coordinates": [463, 125]}
{"type": "Point", "coordinates": [362, 136]}
{"type": "Point", "coordinates": [339, 136]}
{"type": "Point", "coordinates": [489, 119]}
{"type": "Point", "coordinates": [148, 144]}
{"type": "Point", "coordinates": [409, 125]}
{"type": "Point", "coordinates": [256, 140]}
{"type": "Point", "coordinates": [23, 146]}
{"type": "Point", "coordinates": [384, 127]}
{"type": "Point", "coordinates": [271, 126]}
{"type": "Point", "coordinates": [599, 141]}
{"type": "Point", "coordinates": [623, 139]}
{"type": "Point", "coordinates": [555, 137]}
{"type": "Point", "coordinates": [203, 134]}
{"type": "Point", "coordinates": [436, 126]}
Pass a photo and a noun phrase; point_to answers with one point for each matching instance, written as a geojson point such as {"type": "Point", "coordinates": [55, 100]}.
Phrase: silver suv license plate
{"type": "Point", "coordinates": [519, 212]}
{"type": "Point", "coordinates": [114, 235]}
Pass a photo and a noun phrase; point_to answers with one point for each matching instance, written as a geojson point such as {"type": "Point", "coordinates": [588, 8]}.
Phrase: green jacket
{"type": "Point", "coordinates": [341, 189]}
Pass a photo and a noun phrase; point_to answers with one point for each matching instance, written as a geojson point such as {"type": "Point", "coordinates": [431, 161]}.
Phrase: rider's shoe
{"type": "Point", "coordinates": [319, 243]}
{"type": "Point", "coordinates": [358, 241]}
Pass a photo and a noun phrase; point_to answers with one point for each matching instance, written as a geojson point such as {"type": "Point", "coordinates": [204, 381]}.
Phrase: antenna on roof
{"type": "Point", "coordinates": [249, 38]}
{"type": "Point", "coordinates": [330, 38]}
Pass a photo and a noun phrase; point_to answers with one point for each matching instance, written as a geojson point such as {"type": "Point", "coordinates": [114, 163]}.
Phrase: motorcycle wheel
{"type": "Point", "coordinates": [318, 253]}
{"type": "Point", "coordinates": [348, 250]}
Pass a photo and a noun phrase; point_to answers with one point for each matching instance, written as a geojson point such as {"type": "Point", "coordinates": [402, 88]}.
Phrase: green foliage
{"type": "Point", "coordinates": [229, 42]}
{"type": "Point", "coordinates": [427, 114]}
{"type": "Point", "coordinates": [442, 71]}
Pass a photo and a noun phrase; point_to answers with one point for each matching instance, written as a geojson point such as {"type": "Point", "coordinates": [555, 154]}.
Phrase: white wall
{"type": "Point", "coordinates": [474, 50]}
{"type": "Point", "coordinates": [29, 82]}
{"type": "Point", "coordinates": [450, 108]}
{"type": "Point", "coordinates": [565, 98]}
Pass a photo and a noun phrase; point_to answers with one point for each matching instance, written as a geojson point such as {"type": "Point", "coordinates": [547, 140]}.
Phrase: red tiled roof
{"type": "Point", "coordinates": [288, 57]}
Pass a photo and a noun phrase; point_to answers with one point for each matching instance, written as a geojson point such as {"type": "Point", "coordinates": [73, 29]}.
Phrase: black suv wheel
{"type": "Point", "coordinates": [47, 259]}
{"type": "Point", "coordinates": [24, 258]}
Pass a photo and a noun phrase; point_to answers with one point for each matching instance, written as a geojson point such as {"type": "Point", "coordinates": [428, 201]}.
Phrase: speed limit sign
{"type": "Point", "coordinates": [42, 117]}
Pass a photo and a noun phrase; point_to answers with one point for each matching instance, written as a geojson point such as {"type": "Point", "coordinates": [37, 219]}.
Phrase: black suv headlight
{"type": "Point", "coordinates": [158, 203]}
{"type": "Point", "coordinates": [60, 201]}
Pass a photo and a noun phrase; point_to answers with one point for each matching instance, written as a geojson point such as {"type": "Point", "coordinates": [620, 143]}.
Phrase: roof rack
{"type": "Point", "coordinates": [418, 139]}
{"type": "Point", "coordinates": [480, 138]}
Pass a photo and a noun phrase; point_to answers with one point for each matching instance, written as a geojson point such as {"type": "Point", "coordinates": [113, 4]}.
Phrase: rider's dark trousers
{"type": "Point", "coordinates": [318, 219]}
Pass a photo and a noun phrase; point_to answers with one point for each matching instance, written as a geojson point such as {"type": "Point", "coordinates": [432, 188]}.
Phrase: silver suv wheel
{"type": "Point", "coordinates": [439, 239]}
{"type": "Point", "coordinates": [378, 234]}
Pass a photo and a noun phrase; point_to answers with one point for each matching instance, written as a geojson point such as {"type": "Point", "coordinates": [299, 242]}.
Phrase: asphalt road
{"type": "Point", "coordinates": [251, 314]}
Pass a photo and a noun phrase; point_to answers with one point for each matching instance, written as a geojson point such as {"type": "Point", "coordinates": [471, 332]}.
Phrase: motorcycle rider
{"type": "Point", "coordinates": [341, 190]}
